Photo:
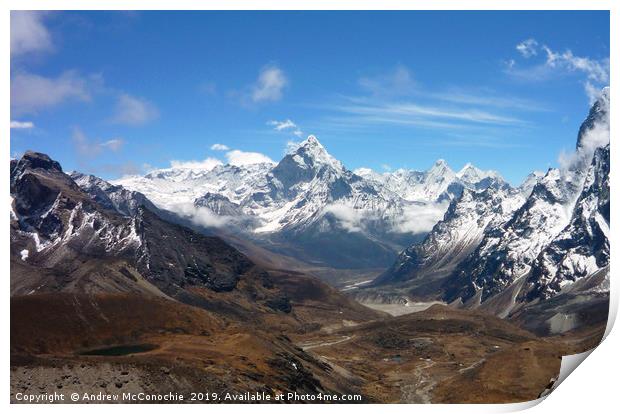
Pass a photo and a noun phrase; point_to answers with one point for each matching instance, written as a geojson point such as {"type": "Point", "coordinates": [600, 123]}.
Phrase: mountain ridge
{"type": "Point", "coordinates": [291, 206]}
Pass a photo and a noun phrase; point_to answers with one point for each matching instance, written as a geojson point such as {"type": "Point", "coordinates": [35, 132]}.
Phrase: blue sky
{"type": "Point", "coordinates": [114, 93]}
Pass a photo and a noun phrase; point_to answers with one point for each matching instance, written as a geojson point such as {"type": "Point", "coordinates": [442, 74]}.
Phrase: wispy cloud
{"type": "Point", "coordinates": [406, 112]}
{"type": "Point", "coordinates": [393, 98]}
{"type": "Point", "coordinates": [498, 141]}
{"type": "Point", "coordinates": [91, 148]}
{"type": "Point", "coordinates": [595, 71]}
{"type": "Point", "coordinates": [31, 93]}
{"type": "Point", "coordinates": [22, 125]}
{"type": "Point", "coordinates": [528, 48]}
{"type": "Point", "coordinates": [134, 111]}
{"type": "Point", "coordinates": [489, 98]}
{"type": "Point", "coordinates": [270, 85]}
{"type": "Point", "coordinates": [286, 125]}
{"type": "Point", "coordinates": [28, 33]}
{"type": "Point", "coordinates": [395, 82]}
{"type": "Point", "coordinates": [219, 147]}
{"type": "Point", "coordinates": [282, 125]}
{"type": "Point", "coordinates": [112, 144]}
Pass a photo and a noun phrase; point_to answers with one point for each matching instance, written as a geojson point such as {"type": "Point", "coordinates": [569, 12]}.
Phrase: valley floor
{"type": "Point", "coordinates": [87, 344]}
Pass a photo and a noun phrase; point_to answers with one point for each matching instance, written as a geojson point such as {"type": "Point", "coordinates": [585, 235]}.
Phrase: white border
{"type": "Point", "coordinates": [592, 388]}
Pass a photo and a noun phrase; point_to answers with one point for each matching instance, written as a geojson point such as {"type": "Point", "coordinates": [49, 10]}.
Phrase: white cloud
{"type": "Point", "coordinates": [286, 125]}
{"type": "Point", "coordinates": [528, 48]}
{"type": "Point", "coordinates": [413, 113]}
{"type": "Point", "coordinates": [269, 85]}
{"type": "Point", "coordinates": [415, 218]}
{"type": "Point", "coordinates": [201, 216]}
{"type": "Point", "coordinates": [233, 157]}
{"type": "Point", "coordinates": [219, 147]}
{"type": "Point", "coordinates": [597, 71]}
{"type": "Point", "coordinates": [31, 93]}
{"type": "Point", "coordinates": [420, 218]}
{"type": "Point", "coordinates": [397, 82]}
{"type": "Point", "coordinates": [28, 33]}
{"type": "Point", "coordinates": [89, 148]}
{"type": "Point", "coordinates": [131, 110]}
{"type": "Point", "coordinates": [113, 144]}
{"type": "Point", "coordinates": [238, 157]}
{"type": "Point", "coordinates": [349, 218]}
{"type": "Point", "coordinates": [206, 164]}
{"type": "Point", "coordinates": [22, 125]}
{"type": "Point", "coordinates": [282, 125]}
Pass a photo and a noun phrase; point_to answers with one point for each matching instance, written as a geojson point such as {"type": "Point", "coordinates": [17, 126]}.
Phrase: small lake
{"type": "Point", "coordinates": [120, 350]}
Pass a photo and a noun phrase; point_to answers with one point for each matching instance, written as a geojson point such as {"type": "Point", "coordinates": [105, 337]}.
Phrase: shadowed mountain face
{"type": "Point", "coordinates": [57, 228]}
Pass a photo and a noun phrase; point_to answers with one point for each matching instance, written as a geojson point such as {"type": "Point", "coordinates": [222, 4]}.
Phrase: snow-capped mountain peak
{"type": "Point", "coordinates": [311, 153]}
{"type": "Point", "coordinates": [530, 181]}
{"type": "Point", "coordinates": [471, 173]}
{"type": "Point", "coordinates": [440, 166]}
{"type": "Point", "coordinates": [113, 197]}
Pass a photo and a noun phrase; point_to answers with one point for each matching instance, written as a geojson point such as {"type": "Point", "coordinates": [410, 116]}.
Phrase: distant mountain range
{"type": "Point", "coordinates": [310, 206]}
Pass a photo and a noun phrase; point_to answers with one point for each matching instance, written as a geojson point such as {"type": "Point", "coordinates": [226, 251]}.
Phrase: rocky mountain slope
{"type": "Point", "coordinates": [582, 247]}
{"type": "Point", "coordinates": [112, 197]}
{"type": "Point", "coordinates": [454, 238]}
{"type": "Point", "coordinates": [63, 239]}
{"type": "Point", "coordinates": [553, 219]}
